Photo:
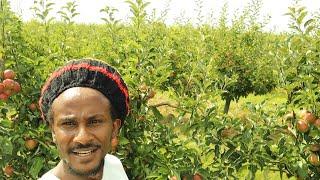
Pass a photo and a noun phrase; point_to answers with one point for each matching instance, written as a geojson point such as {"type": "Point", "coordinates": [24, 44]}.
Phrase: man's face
{"type": "Point", "coordinates": [82, 128]}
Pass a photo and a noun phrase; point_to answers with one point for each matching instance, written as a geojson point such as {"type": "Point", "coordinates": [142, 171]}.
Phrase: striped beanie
{"type": "Point", "coordinates": [86, 73]}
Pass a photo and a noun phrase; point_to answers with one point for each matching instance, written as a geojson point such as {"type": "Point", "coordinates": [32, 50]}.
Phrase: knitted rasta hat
{"type": "Point", "coordinates": [86, 73]}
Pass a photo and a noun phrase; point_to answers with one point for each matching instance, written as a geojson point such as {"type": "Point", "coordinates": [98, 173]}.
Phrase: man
{"type": "Point", "coordinates": [85, 103]}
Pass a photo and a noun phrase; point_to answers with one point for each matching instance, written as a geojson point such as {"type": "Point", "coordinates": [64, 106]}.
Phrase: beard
{"type": "Point", "coordinates": [77, 172]}
{"type": "Point", "coordinates": [82, 173]}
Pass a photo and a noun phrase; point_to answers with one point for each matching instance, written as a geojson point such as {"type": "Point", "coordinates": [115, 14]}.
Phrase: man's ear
{"type": "Point", "coordinates": [116, 124]}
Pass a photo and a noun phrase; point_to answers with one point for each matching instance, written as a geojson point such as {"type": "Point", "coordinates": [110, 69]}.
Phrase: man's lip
{"type": "Point", "coordinates": [84, 150]}
{"type": "Point", "coordinates": [82, 153]}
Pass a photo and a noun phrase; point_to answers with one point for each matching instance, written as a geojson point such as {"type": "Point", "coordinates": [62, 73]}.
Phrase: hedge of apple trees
{"type": "Point", "coordinates": [177, 76]}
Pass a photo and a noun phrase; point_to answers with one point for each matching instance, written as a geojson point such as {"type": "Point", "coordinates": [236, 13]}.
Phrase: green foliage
{"type": "Point", "coordinates": [138, 10]}
{"type": "Point", "coordinates": [42, 9]}
{"type": "Point", "coordinates": [109, 19]}
{"type": "Point", "coordinates": [242, 58]}
{"type": "Point", "coordinates": [299, 23]}
{"type": "Point", "coordinates": [299, 59]}
{"type": "Point", "coordinates": [183, 133]}
{"type": "Point", "coordinates": [68, 12]}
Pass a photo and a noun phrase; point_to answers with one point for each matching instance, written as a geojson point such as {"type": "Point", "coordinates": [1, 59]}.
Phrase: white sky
{"type": "Point", "coordinates": [89, 9]}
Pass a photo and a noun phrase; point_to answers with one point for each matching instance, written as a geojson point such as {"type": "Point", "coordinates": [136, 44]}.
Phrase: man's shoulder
{"type": "Point", "coordinates": [113, 168]}
{"type": "Point", "coordinates": [112, 159]}
{"type": "Point", "coordinates": [49, 176]}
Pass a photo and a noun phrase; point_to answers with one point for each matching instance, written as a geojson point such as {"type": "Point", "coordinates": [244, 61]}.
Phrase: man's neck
{"type": "Point", "coordinates": [63, 174]}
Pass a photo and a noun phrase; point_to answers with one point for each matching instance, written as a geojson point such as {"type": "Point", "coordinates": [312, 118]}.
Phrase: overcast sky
{"type": "Point", "coordinates": [89, 9]}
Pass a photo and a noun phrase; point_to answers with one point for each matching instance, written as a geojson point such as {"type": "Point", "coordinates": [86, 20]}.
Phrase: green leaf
{"type": "Point", "coordinates": [193, 146]}
{"type": "Point", "coordinates": [295, 28]}
{"type": "Point", "coordinates": [162, 151]}
{"type": "Point", "coordinates": [6, 123]}
{"type": "Point", "coordinates": [49, 5]}
{"type": "Point", "coordinates": [301, 9]}
{"type": "Point", "coordinates": [62, 13]}
{"type": "Point", "coordinates": [144, 5]}
{"type": "Point", "coordinates": [105, 19]}
{"type": "Point", "coordinates": [302, 170]}
{"type": "Point", "coordinates": [157, 113]}
{"type": "Point", "coordinates": [308, 22]}
{"type": "Point", "coordinates": [292, 9]}
{"type": "Point", "coordinates": [75, 14]}
{"type": "Point", "coordinates": [123, 141]}
{"type": "Point", "coordinates": [207, 159]}
{"type": "Point", "coordinates": [37, 165]}
{"type": "Point", "coordinates": [6, 147]}
{"type": "Point", "coordinates": [301, 17]}
{"type": "Point", "coordinates": [309, 29]}
{"type": "Point", "coordinates": [4, 111]}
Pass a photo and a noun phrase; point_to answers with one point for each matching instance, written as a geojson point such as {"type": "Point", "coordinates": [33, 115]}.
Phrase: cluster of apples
{"type": "Point", "coordinates": [314, 155]}
{"type": "Point", "coordinates": [8, 86]}
{"type": "Point", "coordinates": [306, 119]}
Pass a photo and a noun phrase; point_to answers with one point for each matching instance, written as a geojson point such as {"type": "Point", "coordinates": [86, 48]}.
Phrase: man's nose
{"type": "Point", "coordinates": [83, 136]}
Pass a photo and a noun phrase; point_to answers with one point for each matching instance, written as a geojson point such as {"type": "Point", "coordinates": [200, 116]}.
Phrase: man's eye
{"type": "Point", "coordinates": [95, 121]}
{"type": "Point", "coordinates": [69, 123]}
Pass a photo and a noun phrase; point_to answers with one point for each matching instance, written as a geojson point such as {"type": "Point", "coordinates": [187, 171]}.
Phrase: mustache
{"type": "Point", "coordinates": [83, 146]}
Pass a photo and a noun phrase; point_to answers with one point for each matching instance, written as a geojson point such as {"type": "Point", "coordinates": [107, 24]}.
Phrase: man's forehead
{"type": "Point", "coordinates": [80, 99]}
{"type": "Point", "coordinates": [80, 95]}
{"type": "Point", "coordinates": [80, 91]}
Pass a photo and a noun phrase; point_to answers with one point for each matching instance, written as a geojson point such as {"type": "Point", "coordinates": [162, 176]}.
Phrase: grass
{"type": "Point", "coordinates": [272, 99]}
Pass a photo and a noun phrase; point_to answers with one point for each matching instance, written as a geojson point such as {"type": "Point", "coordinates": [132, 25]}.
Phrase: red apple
{"type": "Point", "coordinates": [16, 87]}
{"type": "Point", "coordinates": [302, 126]}
{"type": "Point", "coordinates": [151, 94]}
{"type": "Point", "coordinates": [31, 144]}
{"type": "Point", "coordinates": [309, 117]}
{"type": "Point", "coordinates": [33, 107]}
{"type": "Point", "coordinates": [9, 74]}
{"type": "Point", "coordinates": [314, 147]}
{"type": "Point", "coordinates": [174, 178]}
{"type": "Point", "coordinates": [8, 92]}
{"type": "Point", "coordinates": [314, 159]}
{"type": "Point", "coordinates": [4, 97]}
{"type": "Point", "coordinates": [1, 87]}
{"type": "Point", "coordinates": [8, 83]}
{"type": "Point", "coordinates": [302, 113]}
{"type": "Point", "coordinates": [197, 176]}
{"type": "Point", "coordinates": [8, 170]}
{"type": "Point", "coordinates": [317, 123]}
